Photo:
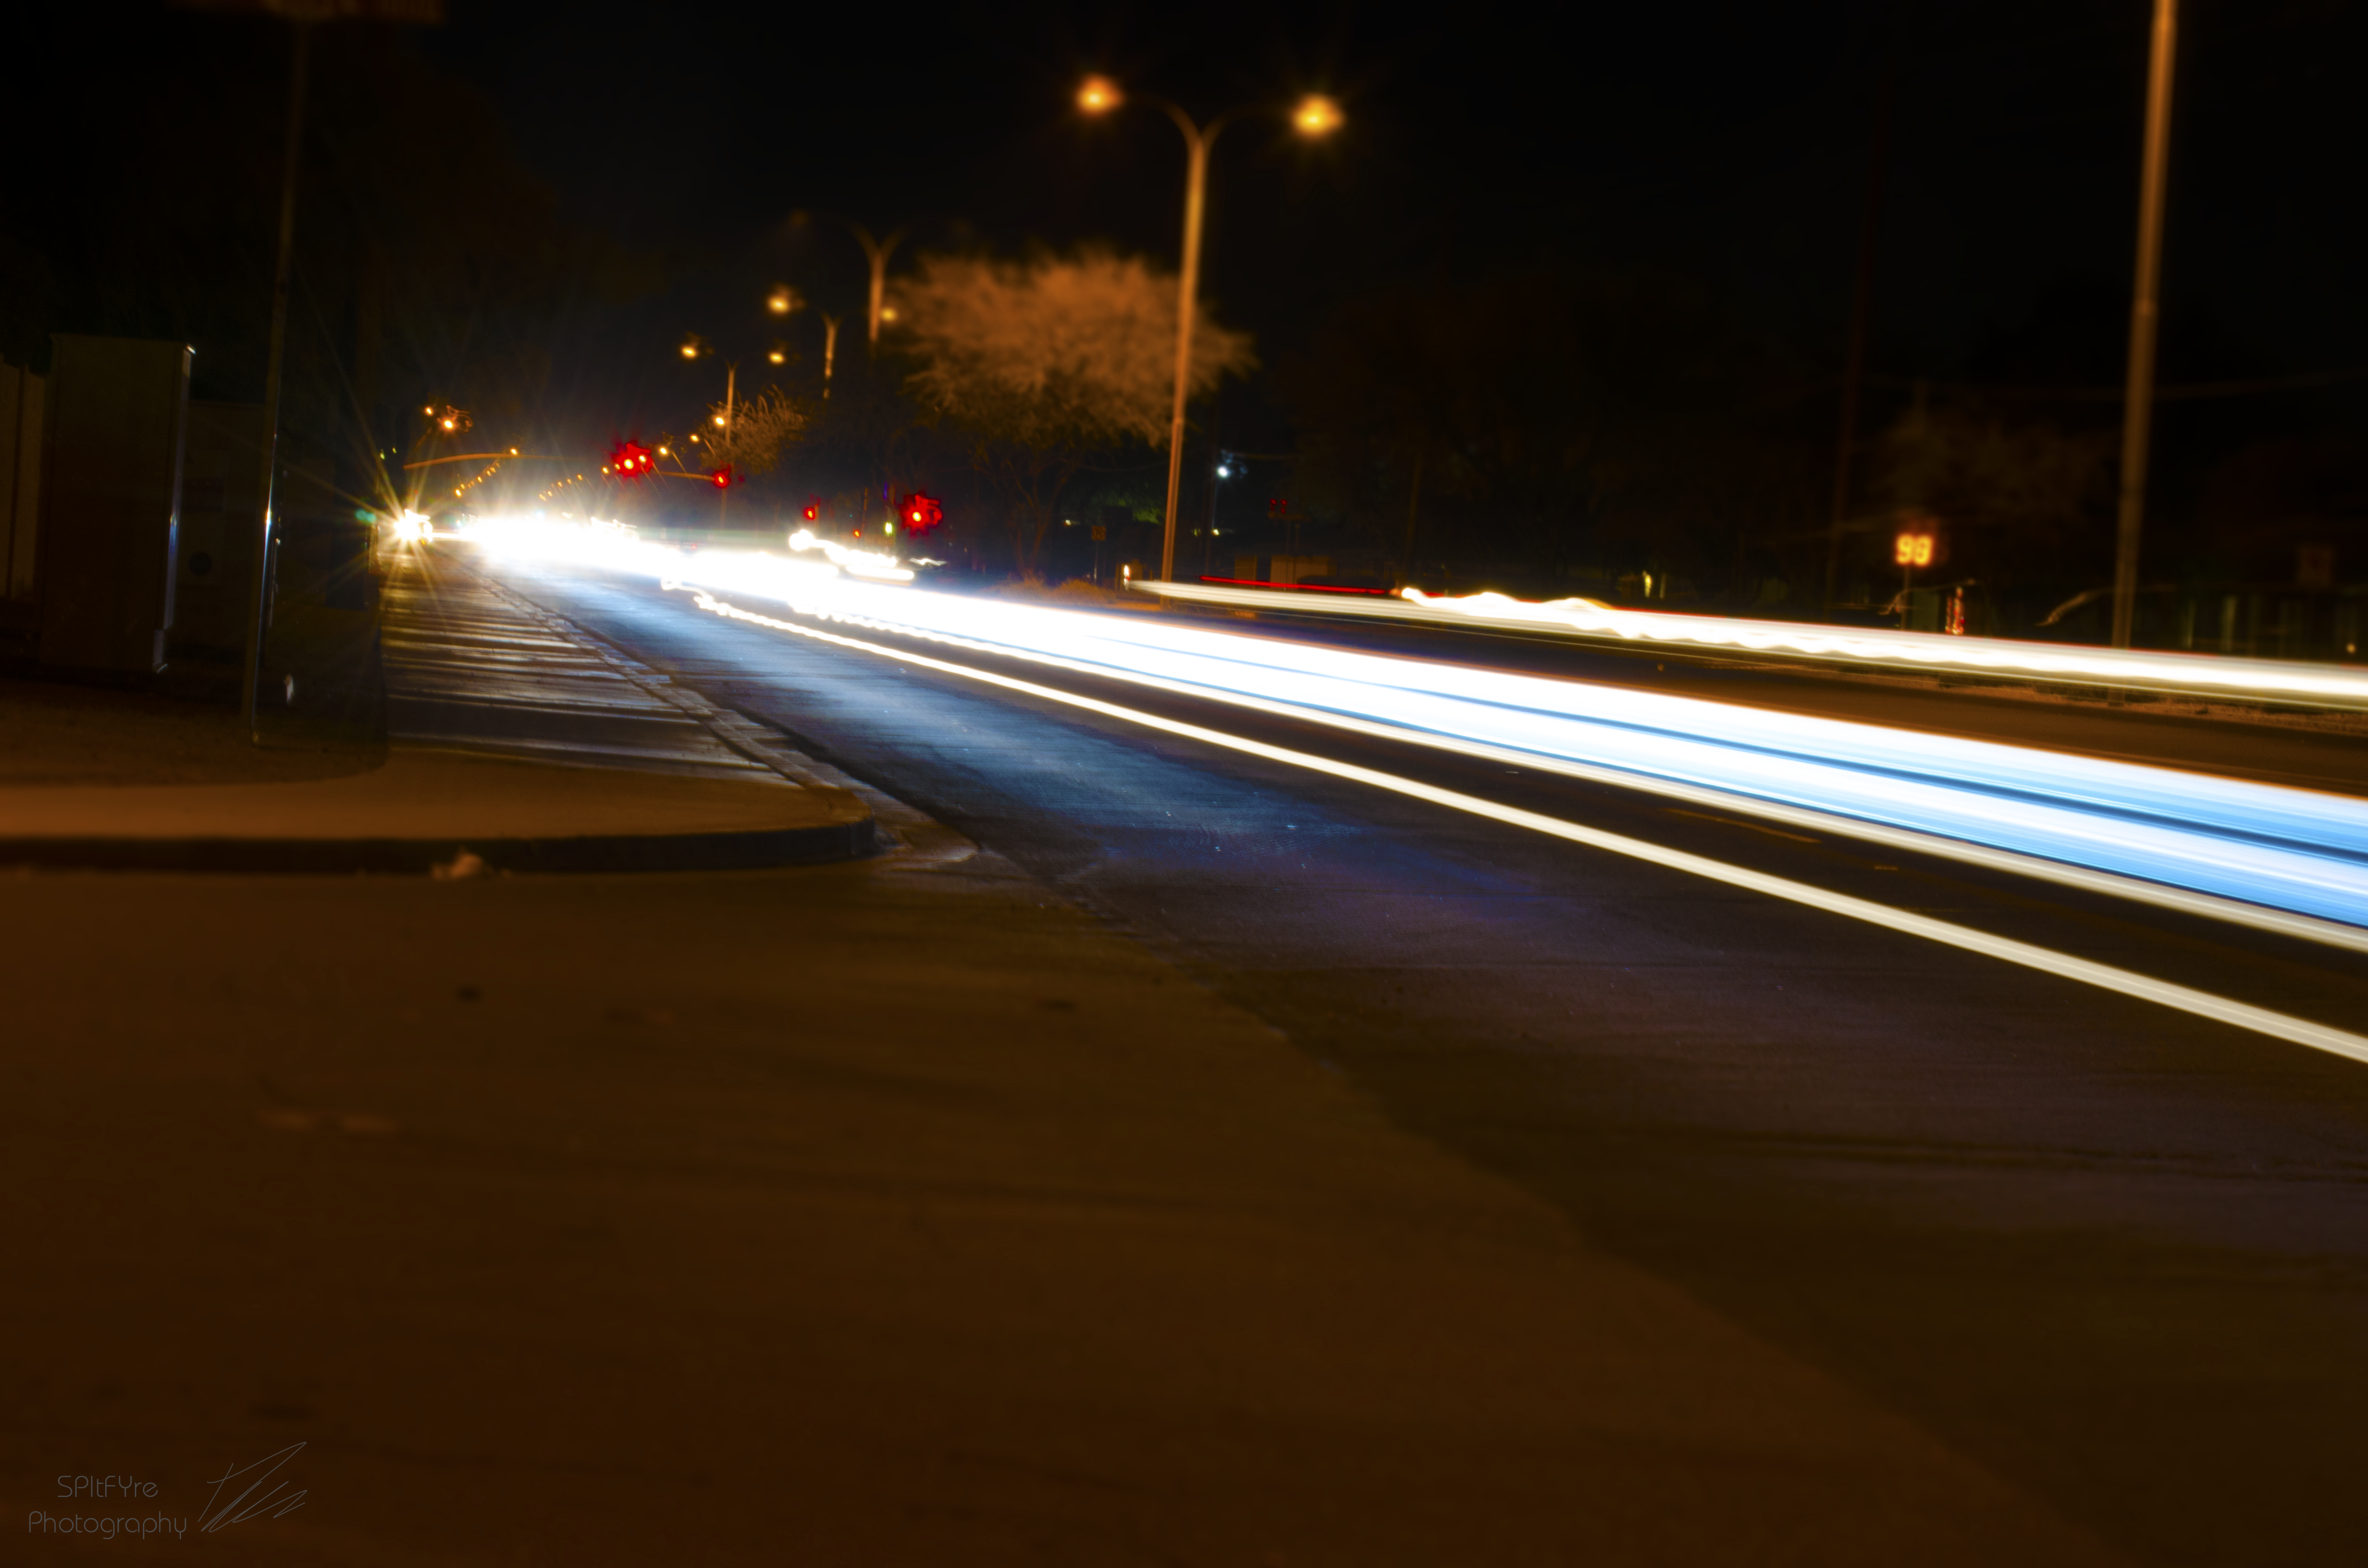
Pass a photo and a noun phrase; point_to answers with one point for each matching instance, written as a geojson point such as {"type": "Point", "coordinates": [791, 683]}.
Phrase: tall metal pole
{"type": "Point", "coordinates": [275, 356]}
{"type": "Point", "coordinates": [731, 384]}
{"type": "Point", "coordinates": [879, 251]}
{"type": "Point", "coordinates": [879, 294]}
{"type": "Point", "coordinates": [2138, 413]}
{"type": "Point", "coordinates": [1414, 501]}
{"type": "Point", "coordinates": [1870, 239]}
{"type": "Point", "coordinates": [1196, 181]}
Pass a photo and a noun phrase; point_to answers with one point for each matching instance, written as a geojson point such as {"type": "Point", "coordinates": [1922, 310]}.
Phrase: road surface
{"type": "Point", "coordinates": [2113, 1251]}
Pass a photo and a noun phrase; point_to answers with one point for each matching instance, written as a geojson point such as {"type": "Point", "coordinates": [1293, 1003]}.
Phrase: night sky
{"type": "Point", "coordinates": [1724, 146]}
{"type": "Point", "coordinates": [1728, 144]}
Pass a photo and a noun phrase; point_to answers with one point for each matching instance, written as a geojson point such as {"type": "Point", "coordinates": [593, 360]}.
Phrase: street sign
{"type": "Point", "coordinates": [1101, 533]}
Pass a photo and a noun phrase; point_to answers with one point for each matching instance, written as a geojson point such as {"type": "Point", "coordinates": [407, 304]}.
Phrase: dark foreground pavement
{"type": "Point", "coordinates": [883, 1213]}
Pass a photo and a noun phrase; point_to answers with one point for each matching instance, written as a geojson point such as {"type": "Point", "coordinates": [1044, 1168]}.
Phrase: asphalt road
{"type": "Point", "coordinates": [2115, 1253]}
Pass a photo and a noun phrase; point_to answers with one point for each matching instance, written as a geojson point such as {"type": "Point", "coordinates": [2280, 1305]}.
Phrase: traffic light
{"type": "Point", "coordinates": [631, 459]}
{"type": "Point", "coordinates": [813, 512]}
{"type": "Point", "coordinates": [724, 478]}
{"type": "Point", "coordinates": [922, 513]}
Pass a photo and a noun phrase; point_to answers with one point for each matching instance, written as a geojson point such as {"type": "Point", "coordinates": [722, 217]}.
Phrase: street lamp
{"type": "Point", "coordinates": [1315, 114]}
{"type": "Point", "coordinates": [879, 251]}
{"type": "Point", "coordinates": [2137, 409]}
{"type": "Point", "coordinates": [781, 301]}
{"type": "Point", "coordinates": [695, 345]}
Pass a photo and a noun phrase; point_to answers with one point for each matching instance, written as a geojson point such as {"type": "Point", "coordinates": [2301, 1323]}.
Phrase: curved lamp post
{"type": "Point", "coordinates": [1314, 116]}
{"type": "Point", "coordinates": [878, 251]}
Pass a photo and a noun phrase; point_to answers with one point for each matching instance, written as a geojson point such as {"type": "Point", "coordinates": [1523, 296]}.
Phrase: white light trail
{"type": "Point", "coordinates": [2202, 675]}
{"type": "Point", "coordinates": [2290, 861]}
{"type": "Point", "coordinates": [2163, 992]}
{"type": "Point", "coordinates": [868, 564]}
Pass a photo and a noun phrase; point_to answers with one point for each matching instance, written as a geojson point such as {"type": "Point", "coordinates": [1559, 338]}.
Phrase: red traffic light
{"type": "Point", "coordinates": [922, 513]}
{"type": "Point", "coordinates": [813, 512]}
{"type": "Point", "coordinates": [631, 459]}
{"type": "Point", "coordinates": [724, 478]}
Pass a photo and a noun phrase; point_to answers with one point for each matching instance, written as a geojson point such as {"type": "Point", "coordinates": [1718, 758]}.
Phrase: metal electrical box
{"type": "Point", "coordinates": [222, 519]}
{"type": "Point", "coordinates": [115, 421]}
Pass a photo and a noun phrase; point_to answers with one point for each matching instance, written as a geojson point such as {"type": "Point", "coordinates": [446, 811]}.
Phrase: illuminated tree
{"type": "Point", "coordinates": [760, 429]}
{"type": "Point", "coordinates": [1044, 362]}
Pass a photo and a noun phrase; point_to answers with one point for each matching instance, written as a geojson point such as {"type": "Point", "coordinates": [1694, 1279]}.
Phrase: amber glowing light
{"type": "Point", "coordinates": [1317, 116]}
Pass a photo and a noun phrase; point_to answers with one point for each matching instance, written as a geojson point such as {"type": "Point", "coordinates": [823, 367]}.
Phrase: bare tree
{"type": "Point", "coordinates": [1043, 362]}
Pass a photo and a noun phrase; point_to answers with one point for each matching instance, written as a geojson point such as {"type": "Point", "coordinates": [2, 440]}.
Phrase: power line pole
{"type": "Point", "coordinates": [2145, 313]}
{"type": "Point", "coordinates": [1869, 236]}
{"type": "Point", "coordinates": [275, 357]}
{"type": "Point", "coordinates": [302, 16]}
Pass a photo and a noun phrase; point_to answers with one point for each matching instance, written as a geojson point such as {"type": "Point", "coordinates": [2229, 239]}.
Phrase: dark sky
{"type": "Point", "coordinates": [1724, 143]}
{"type": "Point", "coordinates": [1727, 142]}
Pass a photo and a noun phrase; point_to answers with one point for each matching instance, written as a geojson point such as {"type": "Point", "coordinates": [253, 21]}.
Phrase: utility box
{"type": "Point", "coordinates": [115, 419]}
{"type": "Point", "coordinates": [323, 676]}
{"type": "Point", "coordinates": [222, 519]}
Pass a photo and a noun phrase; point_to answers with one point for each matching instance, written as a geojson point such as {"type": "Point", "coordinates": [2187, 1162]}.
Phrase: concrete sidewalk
{"type": "Point", "coordinates": [519, 745]}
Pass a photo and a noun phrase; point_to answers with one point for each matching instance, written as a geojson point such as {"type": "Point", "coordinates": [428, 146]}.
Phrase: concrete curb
{"type": "Point", "coordinates": [762, 849]}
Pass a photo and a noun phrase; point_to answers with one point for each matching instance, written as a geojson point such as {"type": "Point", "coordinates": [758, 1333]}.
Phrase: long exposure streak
{"type": "Point", "coordinates": [2290, 861]}
{"type": "Point", "coordinates": [2204, 676]}
{"type": "Point", "coordinates": [2261, 1020]}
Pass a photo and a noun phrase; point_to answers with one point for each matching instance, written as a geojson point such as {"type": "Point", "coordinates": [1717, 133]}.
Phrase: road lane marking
{"type": "Point", "coordinates": [2184, 900]}
{"type": "Point", "coordinates": [2163, 992]}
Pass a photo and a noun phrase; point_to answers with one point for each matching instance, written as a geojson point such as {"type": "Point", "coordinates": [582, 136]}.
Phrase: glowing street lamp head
{"type": "Point", "coordinates": [782, 300]}
{"type": "Point", "coordinates": [1317, 116]}
{"type": "Point", "coordinates": [1099, 94]}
